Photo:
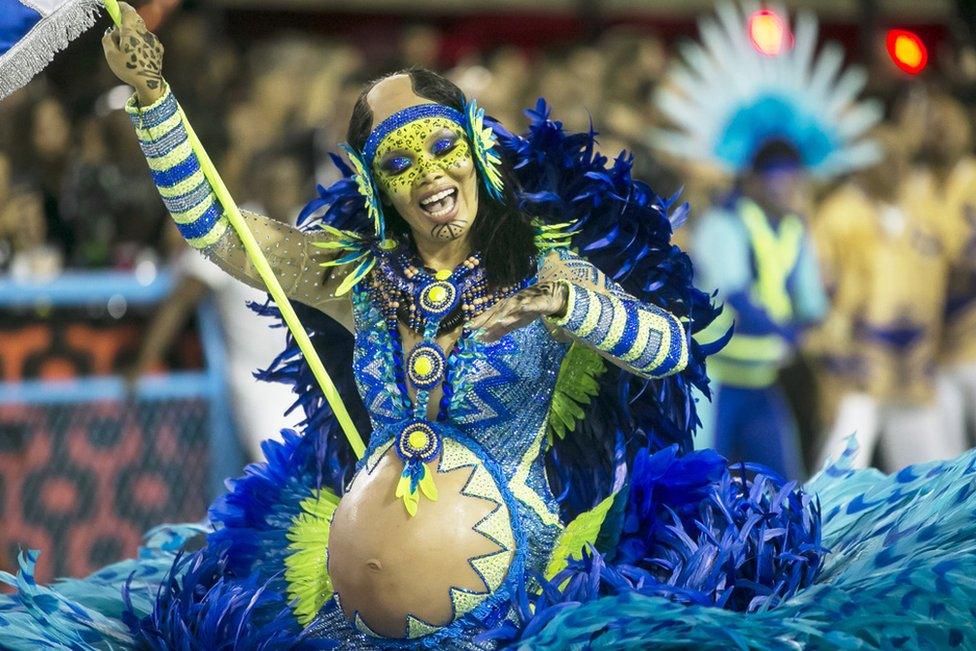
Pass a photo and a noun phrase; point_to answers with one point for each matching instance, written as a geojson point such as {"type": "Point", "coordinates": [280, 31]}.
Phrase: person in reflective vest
{"type": "Point", "coordinates": [755, 251]}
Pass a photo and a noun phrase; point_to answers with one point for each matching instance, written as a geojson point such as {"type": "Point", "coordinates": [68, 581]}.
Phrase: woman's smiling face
{"type": "Point", "coordinates": [424, 169]}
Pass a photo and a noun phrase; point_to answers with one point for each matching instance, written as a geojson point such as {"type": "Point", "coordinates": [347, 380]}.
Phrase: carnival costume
{"type": "Point", "coordinates": [728, 101]}
{"type": "Point", "coordinates": [573, 434]}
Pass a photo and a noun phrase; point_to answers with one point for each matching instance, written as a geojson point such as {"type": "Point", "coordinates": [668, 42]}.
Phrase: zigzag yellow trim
{"type": "Point", "coordinates": [482, 485]}
{"type": "Point", "coordinates": [493, 568]}
{"type": "Point", "coordinates": [520, 487]}
{"type": "Point", "coordinates": [419, 628]}
{"type": "Point", "coordinates": [364, 628]}
{"type": "Point", "coordinates": [215, 234]}
{"type": "Point", "coordinates": [496, 527]}
{"type": "Point", "coordinates": [455, 455]}
{"type": "Point", "coordinates": [464, 601]}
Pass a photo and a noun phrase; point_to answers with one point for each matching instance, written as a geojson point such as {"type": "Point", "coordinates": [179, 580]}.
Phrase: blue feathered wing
{"type": "Point", "coordinates": [624, 228]}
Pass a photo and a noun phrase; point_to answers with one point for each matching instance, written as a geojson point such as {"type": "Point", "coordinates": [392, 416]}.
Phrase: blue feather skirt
{"type": "Point", "coordinates": [692, 553]}
{"type": "Point", "coordinates": [699, 554]}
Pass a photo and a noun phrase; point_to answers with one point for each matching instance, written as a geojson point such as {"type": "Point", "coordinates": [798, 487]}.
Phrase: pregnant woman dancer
{"type": "Point", "coordinates": [523, 348]}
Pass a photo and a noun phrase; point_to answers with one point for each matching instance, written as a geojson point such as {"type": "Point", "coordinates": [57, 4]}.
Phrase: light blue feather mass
{"type": "Point", "coordinates": [901, 574]}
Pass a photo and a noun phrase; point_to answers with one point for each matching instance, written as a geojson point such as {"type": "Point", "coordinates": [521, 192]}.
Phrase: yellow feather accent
{"type": "Point", "coordinates": [306, 571]}
{"type": "Point", "coordinates": [427, 485]}
{"type": "Point", "coordinates": [337, 263]}
{"type": "Point", "coordinates": [403, 486]}
{"type": "Point", "coordinates": [410, 500]}
{"type": "Point", "coordinates": [355, 277]}
{"type": "Point", "coordinates": [578, 534]}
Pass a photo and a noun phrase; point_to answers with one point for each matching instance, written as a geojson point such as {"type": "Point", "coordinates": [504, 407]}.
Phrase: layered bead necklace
{"type": "Point", "coordinates": [429, 303]}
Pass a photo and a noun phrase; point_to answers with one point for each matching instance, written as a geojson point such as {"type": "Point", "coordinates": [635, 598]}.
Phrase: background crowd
{"type": "Point", "coordinates": [75, 192]}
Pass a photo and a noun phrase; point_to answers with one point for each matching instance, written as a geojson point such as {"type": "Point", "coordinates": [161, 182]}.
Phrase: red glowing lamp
{"type": "Point", "coordinates": [907, 51]}
{"type": "Point", "coordinates": [769, 33]}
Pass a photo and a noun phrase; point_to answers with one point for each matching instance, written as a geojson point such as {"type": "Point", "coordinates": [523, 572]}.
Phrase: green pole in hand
{"type": "Point", "coordinates": [264, 270]}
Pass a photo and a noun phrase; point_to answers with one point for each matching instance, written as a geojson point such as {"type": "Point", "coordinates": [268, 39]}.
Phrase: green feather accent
{"type": "Point", "coordinates": [306, 570]}
{"type": "Point", "coordinates": [358, 274]}
{"type": "Point", "coordinates": [483, 142]}
{"type": "Point", "coordinates": [553, 236]}
{"type": "Point", "coordinates": [576, 385]}
{"type": "Point", "coordinates": [353, 249]}
{"type": "Point", "coordinates": [579, 534]}
{"type": "Point", "coordinates": [368, 191]}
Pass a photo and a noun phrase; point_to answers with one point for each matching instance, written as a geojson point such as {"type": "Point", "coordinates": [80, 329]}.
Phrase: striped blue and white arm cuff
{"type": "Point", "coordinates": [645, 339]}
{"type": "Point", "coordinates": [176, 171]}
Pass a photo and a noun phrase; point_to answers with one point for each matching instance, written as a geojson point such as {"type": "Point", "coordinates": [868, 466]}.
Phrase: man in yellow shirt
{"type": "Point", "coordinates": [887, 260]}
{"type": "Point", "coordinates": [946, 188]}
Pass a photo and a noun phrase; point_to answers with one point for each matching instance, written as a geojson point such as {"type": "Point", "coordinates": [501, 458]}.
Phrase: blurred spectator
{"type": "Point", "coordinates": [888, 262]}
{"type": "Point", "coordinates": [24, 251]}
{"type": "Point", "coordinates": [945, 188]}
{"type": "Point", "coordinates": [420, 46]}
{"type": "Point", "coordinates": [51, 143]}
{"type": "Point", "coordinates": [276, 184]}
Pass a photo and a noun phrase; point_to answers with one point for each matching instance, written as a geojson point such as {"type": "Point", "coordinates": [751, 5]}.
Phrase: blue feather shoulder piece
{"type": "Point", "coordinates": [624, 228]}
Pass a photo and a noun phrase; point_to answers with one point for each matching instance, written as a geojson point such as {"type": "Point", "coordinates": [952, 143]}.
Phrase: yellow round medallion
{"type": "Point", "coordinates": [418, 439]}
{"type": "Point", "coordinates": [438, 294]}
{"type": "Point", "coordinates": [422, 366]}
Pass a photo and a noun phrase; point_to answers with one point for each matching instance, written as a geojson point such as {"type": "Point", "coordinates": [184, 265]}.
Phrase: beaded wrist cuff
{"type": "Point", "coordinates": [176, 171]}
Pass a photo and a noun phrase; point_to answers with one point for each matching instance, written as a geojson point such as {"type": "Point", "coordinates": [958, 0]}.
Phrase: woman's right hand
{"type": "Point", "coordinates": [135, 55]}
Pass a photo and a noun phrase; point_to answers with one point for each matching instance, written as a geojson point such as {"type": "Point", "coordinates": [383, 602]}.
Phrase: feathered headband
{"type": "Point", "coordinates": [360, 186]}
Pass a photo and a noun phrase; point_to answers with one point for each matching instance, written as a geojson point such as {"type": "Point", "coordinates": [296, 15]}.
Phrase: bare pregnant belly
{"type": "Point", "coordinates": [400, 576]}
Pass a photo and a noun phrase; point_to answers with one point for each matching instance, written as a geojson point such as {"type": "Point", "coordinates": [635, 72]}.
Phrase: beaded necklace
{"type": "Point", "coordinates": [429, 303]}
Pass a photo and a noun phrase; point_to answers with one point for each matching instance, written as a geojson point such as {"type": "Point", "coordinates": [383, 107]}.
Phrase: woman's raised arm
{"type": "Point", "coordinates": [135, 55]}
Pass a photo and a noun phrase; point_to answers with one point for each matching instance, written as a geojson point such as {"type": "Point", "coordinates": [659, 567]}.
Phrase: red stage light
{"type": "Point", "coordinates": [769, 34]}
{"type": "Point", "coordinates": [907, 51]}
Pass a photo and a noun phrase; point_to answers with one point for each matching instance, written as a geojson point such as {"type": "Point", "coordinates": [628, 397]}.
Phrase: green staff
{"type": "Point", "coordinates": [260, 263]}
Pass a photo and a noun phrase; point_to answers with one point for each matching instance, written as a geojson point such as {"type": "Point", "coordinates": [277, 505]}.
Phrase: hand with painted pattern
{"type": "Point", "coordinates": [135, 55]}
{"type": "Point", "coordinates": [638, 337]}
{"type": "Point", "coordinates": [544, 299]}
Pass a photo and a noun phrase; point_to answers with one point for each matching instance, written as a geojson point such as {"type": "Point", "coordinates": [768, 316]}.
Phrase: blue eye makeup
{"type": "Point", "coordinates": [397, 164]}
{"type": "Point", "coordinates": [442, 146]}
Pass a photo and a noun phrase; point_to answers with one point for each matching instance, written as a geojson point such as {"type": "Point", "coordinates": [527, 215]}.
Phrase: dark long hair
{"type": "Point", "coordinates": [501, 232]}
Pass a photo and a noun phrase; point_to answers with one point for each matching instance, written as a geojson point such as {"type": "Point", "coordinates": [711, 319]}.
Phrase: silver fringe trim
{"type": "Point", "coordinates": [48, 37]}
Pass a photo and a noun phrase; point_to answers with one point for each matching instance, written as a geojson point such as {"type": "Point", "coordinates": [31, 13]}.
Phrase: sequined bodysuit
{"type": "Point", "coordinates": [496, 397]}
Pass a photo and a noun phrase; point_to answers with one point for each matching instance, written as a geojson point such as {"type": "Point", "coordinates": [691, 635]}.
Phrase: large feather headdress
{"type": "Point", "coordinates": [727, 98]}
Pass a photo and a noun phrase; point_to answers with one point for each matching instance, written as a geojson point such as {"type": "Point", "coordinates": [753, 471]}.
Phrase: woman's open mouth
{"type": "Point", "coordinates": [441, 205]}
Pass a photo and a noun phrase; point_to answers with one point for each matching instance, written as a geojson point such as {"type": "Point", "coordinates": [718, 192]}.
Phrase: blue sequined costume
{"type": "Point", "coordinates": [616, 532]}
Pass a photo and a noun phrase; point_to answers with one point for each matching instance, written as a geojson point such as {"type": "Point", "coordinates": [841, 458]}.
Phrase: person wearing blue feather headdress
{"type": "Point", "coordinates": [522, 326]}
{"type": "Point", "coordinates": [757, 252]}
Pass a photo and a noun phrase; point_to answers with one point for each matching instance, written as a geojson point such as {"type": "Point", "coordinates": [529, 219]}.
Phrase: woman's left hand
{"type": "Point", "coordinates": [546, 298]}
